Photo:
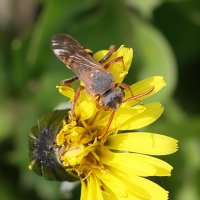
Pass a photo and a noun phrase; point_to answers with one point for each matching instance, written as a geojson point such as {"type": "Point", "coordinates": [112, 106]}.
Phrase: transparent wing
{"type": "Point", "coordinates": [70, 52]}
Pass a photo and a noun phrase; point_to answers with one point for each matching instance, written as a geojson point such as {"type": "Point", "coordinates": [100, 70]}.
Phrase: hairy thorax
{"type": "Point", "coordinates": [101, 82]}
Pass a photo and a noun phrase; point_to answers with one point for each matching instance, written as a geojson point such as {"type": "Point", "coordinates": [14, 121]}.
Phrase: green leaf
{"type": "Point", "coordinates": [50, 22]}
{"type": "Point", "coordinates": [144, 7]}
{"type": "Point", "coordinates": [154, 57]}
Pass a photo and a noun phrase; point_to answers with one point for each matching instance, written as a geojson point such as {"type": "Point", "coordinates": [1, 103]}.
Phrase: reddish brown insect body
{"type": "Point", "coordinates": [98, 81]}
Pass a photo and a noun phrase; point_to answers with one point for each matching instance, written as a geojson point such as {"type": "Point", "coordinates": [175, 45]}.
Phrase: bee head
{"type": "Point", "coordinates": [112, 99]}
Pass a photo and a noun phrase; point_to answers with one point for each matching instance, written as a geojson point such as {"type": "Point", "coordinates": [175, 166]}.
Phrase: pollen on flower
{"type": "Point", "coordinates": [81, 147]}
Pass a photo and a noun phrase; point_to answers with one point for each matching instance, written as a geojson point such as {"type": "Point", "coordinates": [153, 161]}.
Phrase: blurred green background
{"type": "Point", "coordinates": [165, 36]}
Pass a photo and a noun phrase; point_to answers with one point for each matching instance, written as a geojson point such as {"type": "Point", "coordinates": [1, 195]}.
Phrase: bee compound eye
{"type": "Point", "coordinates": [43, 156]}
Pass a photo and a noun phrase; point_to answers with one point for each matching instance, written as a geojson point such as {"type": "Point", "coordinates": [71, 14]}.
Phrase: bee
{"type": "Point", "coordinates": [99, 82]}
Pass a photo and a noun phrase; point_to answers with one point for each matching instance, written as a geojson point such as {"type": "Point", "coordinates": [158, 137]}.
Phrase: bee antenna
{"type": "Point", "coordinates": [140, 95]}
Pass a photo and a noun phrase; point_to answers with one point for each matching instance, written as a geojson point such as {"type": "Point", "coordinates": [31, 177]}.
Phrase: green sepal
{"type": "Point", "coordinates": [43, 153]}
{"type": "Point", "coordinates": [60, 169]}
{"type": "Point", "coordinates": [36, 167]}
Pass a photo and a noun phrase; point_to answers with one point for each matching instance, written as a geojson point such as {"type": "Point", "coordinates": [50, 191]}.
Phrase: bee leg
{"type": "Point", "coordinates": [69, 81]}
{"type": "Point", "coordinates": [129, 89]}
{"type": "Point", "coordinates": [118, 59]}
{"type": "Point", "coordinates": [125, 87]}
{"type": "Point", "coordinates": [97, 102]}
{"type": "Point", "coordinates": [108, 125]}
{"type": "Point", "coordinates": [139, 95]}
{"type": "Point", "coordinates": [76, 96]}
{"type": "Point", "coordinates": [112, 49]}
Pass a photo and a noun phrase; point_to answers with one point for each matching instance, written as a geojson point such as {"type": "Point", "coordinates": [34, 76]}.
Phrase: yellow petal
{"type": "Point", "coordinates": [66, 91]}
{"type": "Point", "coordinates": [110, 195]}
{"type": "Point", "coordinates": [127, 162]}
{"type": "Point", "coordinates": [156, 192]}
{"type": "Point", "coordinates": [117, 68]}
{"type": "Point", "coordinates": [84, 110]}
{"type": "Point", "coordinates": [74, 155]}
{"type": "Point", "coordinates": [143, 86]}
{"type": "Point", "coordinates": [135, 191]}
{"type": "Point", "coordinates": [162, 168]}
{"type": "Point", "coordinates": [136, 164]}
{"type": "Point", "coordinates": [100, 54]}
{"type": "Point", "coordinates": [124, 115]}
{"type": "Point", "coordinates": [151, 113]}
{"type": "Point", "coordinates": [60, 138]}
{"type": "Point", "coordinates": [141, 142]}
{"type": "Point", "coordinates": [121, 116]}
{"type": "Point", "coordinates": [84, 190]}
{"type": "Point", "coordinates": [141, 187]}
{"type": "Point", "coordinates": [94, 188]}
{"type": "Point", "coordinates": [84, 95]}
{"type": "Point", "coordinates": [116, 185]}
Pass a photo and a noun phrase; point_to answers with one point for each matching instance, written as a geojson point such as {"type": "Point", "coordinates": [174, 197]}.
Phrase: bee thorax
{"type": "Point", "coordinates": [102, 82]}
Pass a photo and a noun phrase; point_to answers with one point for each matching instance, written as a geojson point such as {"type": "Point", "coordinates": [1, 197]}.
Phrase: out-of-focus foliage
{"type": "Point", "coordinates": [165, 36]}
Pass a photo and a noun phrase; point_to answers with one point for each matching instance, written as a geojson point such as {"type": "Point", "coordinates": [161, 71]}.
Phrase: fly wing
{"type": "Point", "coordinates": [70, 51]}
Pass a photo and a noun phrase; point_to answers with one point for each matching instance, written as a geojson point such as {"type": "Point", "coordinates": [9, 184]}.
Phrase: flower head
{"type": "Point", "coordinates": [115, 166]}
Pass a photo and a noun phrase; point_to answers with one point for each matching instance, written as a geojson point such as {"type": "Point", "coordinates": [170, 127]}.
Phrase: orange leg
{"type": "Point", "coordinates": [129, 99]}
{"type": "Point", "coordinates": [97, 103]}
{"type": "Point", "coordinates": [125, 87]}
{"type": "Point", "coordinates": [69, 81]}
{"type": "Point", "coordinates": [112, 49]}
{"type": "Point", "coordinates": [108, 125]}
{"type": "Point", "coordinates": [119, 59]}
{"type": "Point", "coordinates": [80, 88]}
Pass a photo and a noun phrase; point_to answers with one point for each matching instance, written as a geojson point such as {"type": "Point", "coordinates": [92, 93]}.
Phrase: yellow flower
{"type": "Point", "coordinates": [115, 167]}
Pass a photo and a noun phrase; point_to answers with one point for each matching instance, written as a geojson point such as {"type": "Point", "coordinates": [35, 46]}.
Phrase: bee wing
{"type": "Point", "coordinates": [64, 46]}
{"type": "Point", "coordinates": [70, 52]}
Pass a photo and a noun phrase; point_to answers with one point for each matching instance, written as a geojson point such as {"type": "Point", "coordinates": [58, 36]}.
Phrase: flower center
{"type": "Point", "coordinates": [78, 148]}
